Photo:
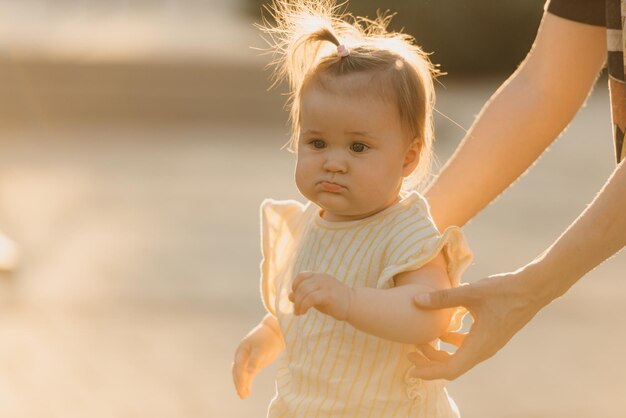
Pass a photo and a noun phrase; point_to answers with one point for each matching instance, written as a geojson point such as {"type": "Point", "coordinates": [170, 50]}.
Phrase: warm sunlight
{"type": "Point", "coordinates": [159, 247]}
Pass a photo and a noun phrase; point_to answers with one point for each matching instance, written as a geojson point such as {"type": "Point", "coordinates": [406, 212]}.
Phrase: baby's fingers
{"type": "Point", "coordinates": [311, 299]}
{"type": "Point", "coordinates": [301, 277]}
{"type": "Point", "coordinates": [243, 388]}
{"type": "Point", "coordinates": [254, 361]}
{"type": "Point", "coordinates": [241, 376]}
{"type": "Point", "coordinates": [300, 295]}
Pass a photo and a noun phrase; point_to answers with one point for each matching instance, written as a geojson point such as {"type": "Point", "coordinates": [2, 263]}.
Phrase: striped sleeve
{"type": "Point", "coordinates": [278, 219]}
{"type": "Point", "coordinates": [420, 244]}
{"type": "Point", "coordinates": [458, 258]}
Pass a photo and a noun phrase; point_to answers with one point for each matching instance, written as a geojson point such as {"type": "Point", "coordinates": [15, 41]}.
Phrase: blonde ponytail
{"type": "Point", "coordinates": [303, 37]}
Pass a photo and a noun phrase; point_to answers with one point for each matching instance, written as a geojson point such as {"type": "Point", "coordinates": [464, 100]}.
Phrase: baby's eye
{"type": "Point", "coordinates": [358, 147]}
{"type": "Point", "coordinates": [318, 144]}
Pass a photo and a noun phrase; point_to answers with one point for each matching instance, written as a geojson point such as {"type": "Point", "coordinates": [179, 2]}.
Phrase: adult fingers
{"type": "Point", "coordinates": [473, 351]}
{"type": "Point", "coordinates": [426, 354]}
{"type": "Point", "coordinates": [447, 298]}
{"type": "Point", "coordinates": [429, 369]}
{"type": "Point", "coordinates": [430, 353]}
{"type": "Point", "coordinates": [454, 338]}
{"type": "Point", "coordinates": [418, 359]}
{"type": "Point", "coordinates": [433, 354]}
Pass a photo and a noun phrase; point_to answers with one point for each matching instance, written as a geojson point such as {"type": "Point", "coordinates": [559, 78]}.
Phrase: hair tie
{"type": "Point", "coordinates": [342, 51]}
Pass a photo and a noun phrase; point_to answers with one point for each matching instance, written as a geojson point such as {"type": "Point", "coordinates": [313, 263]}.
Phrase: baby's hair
{"type": "Point", "coordinates": [304, 36]}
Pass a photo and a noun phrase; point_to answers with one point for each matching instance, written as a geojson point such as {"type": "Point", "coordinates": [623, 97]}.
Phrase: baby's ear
{"type": "Point", "coordinates": [411, 157]}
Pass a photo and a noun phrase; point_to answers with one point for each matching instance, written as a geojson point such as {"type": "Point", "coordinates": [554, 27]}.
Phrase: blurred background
{"type": "Point", "coordinates": [137, 140]}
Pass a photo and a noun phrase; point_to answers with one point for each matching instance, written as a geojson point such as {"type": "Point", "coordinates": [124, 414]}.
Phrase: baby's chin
{"type": "Point", "coordinates": [341, 217]}
{"type": "Point", "coordinates": [334, 213]}
{"type": "Point", "coordinates": [343, 205]}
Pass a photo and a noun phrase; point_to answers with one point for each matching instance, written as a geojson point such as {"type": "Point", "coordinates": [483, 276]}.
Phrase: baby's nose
{"type": "Point", "coordinates": [335, 164]}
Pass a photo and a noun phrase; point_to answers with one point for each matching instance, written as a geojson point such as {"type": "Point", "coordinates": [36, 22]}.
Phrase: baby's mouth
{"type": "Point", "coordinates": [329, 186]}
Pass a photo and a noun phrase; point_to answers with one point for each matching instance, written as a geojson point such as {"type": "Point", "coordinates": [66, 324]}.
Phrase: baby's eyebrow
{"type": "Point", "coordinates": [310, 132]}
{"type": "Point", "coordinates": [361, 134]}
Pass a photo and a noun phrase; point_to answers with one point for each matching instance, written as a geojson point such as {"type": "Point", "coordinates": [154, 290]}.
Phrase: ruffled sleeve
{"type": "Point", "coordinates": [279, 221]}
{"type": "Point", "coordinates": [421, 244]}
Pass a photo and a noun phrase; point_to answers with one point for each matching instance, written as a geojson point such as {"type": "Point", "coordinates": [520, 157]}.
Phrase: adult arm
{"type": "Point", "coordinates": [513, 129]}
{"type": "Point", "coordinates": [9, 254]}
{"type": "Point", "coordinates": [520, 120]}
{"type": "Point", "coordinates": [501, 305]}
{"type": "Point", "coordinates": [384, 313]}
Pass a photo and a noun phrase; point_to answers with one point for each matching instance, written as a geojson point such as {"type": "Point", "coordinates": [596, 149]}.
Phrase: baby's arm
{"type": "Point", "coordinates": [386, 313]}
{"type": "Point", "coordinates": [256, 351]}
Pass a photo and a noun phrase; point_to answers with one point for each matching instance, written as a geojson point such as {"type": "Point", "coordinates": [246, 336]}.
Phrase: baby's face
{"type": "Point", "coordinates": [352, 151]}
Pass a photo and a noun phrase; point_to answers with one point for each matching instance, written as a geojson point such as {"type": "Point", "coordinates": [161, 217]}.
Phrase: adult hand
{"type": "Point", "coordinates": [500, 305]}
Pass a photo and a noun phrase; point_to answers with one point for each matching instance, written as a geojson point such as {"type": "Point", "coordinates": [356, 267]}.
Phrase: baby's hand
{"type": "Point", "coordinates": [256, 351]}
{"type": "Point", "coordinates": [322, 292]}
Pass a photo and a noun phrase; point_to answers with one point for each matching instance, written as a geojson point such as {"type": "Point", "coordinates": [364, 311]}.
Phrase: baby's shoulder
{"type": "Point", "coordinates": [282, 211]}
{"type": "Point", "coordinates": [416, 204]}
{"type": "Point", "coordinates": [412, 214]}
{"type": "Point", "coordinates": [281, 206]}
{"type": "Point", "coordinates": [411, 225]}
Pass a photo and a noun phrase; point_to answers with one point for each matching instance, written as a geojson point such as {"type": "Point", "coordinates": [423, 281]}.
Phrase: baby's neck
{"type": "Point", "coordinates": [336, 217]}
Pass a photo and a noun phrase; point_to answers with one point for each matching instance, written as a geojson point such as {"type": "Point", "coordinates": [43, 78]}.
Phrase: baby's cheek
{"type": "Point", "coordinates": [380, 185]}
{"type": "Point", "coordinates": [304, 178]}
{"type": "Point", "coordinates": [375, 179]}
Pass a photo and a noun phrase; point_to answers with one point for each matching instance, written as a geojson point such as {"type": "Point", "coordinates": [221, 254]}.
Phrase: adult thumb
{"type": "Point", "coordinates": [441, 299]}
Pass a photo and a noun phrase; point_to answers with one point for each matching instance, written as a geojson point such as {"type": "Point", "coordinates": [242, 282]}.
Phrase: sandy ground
{"type": "Point", "coordinates": [140, 255]}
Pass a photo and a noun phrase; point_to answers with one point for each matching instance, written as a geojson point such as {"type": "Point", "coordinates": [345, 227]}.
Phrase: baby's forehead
{"type": "Point", "coordinates": [362, 92]}
{"type": "Point", "coordinates": [350, 101]}
{"type": "Point", "coordinates": [362, 84]}
{"type": "Point", "coordinates": [330, 111]}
